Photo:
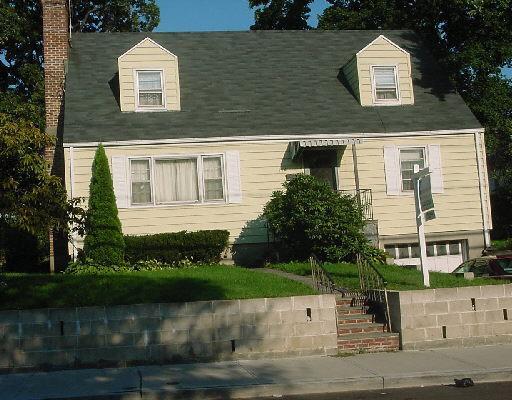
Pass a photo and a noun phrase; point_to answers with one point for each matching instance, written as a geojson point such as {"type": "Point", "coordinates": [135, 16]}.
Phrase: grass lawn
{"type": "Point", "coordinates": [502, 244]}
{"type": "Point", "coordinates": [398, 278]}
{"type": "Point", "coordinates": [176, 285]}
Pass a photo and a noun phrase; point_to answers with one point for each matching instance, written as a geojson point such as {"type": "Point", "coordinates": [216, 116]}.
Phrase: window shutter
{"type": "Point", "coordinates": [233, 177]}
{"type": "Point", "coordinates": [434, 163]}
{"type": "Point", "coordinates": [392, 167]}
{"type": "Point", "coordinates": [121, 184]}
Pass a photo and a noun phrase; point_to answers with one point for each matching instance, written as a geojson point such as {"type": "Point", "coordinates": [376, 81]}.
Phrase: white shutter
{"type": "Point", "coordinates": [233, 177]}
{"type": "Point", "coordinates": [120, 178]}
{"type": "Point", "coordinates": [392, 167]}
{"type": "Point", "coordinates": [434, 163]}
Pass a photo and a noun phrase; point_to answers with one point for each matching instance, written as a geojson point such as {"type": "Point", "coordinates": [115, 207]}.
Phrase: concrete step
{"type": "Point", "coordinates": [368, 327]}
{"type": "Point", "coordinates": [354, 319]}
{"type": "Point", "coordinates": [369, 342]}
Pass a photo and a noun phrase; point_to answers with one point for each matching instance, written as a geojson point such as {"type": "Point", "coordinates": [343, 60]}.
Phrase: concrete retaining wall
{"type": "Point", "coordinates": [286, 326]}
{"type": "Point", "coordinates": [452, 317]}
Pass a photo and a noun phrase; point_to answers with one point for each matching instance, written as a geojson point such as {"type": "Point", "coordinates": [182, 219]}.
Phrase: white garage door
{"type": "Point", "coordinates": [441, 256]}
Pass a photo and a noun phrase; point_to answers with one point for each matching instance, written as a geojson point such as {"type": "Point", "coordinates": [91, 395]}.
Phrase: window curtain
{"type": "Point", "coordinates": [212, 174]}
{"type": "Point", "coordinates": [176, 180]}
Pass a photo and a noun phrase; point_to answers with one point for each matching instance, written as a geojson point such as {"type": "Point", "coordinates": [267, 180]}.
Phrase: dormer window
{"type": "Point", "coordinates": [385, 87]}
{"type": "Point", "coordinates": [380, 74]}
{"type": "Point", "coordinates": [150, 90]}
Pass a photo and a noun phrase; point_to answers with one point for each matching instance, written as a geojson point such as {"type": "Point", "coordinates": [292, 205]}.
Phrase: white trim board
{"type": "Point", "coordinates": [270, 138]}
{"type": "Point", "coordinates": [386, 39]}
{"type": "Point", "coordinates": [142, 41]}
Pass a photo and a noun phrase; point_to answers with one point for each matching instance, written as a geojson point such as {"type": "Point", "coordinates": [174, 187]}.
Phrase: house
{"type": "Point", "coordinates": [201, 128]}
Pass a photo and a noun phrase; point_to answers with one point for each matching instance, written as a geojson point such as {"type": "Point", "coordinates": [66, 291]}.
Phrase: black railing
{"type": "Point", "coordinates": [373, 287]}
{"type": "Point", "coordinates": [364, 199]}
{"type": "Point", "coordinates": [324, 283]}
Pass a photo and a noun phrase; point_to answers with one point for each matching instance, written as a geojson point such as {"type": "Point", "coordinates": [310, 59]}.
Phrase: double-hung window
{"type": "Point", "coordinates": [385, 86]}
{"type": "Point", "coordinates": [409, 157]}
{"type": "Point", "coordinates": [174, 180]}
{"type": "Point", "coordinates": [141, 181]}
{"type": "Point", "coordinates": [150, 89]}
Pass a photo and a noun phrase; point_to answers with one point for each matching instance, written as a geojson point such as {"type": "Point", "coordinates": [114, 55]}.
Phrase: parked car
{"type": "Point", "coordinates": [499, 267]}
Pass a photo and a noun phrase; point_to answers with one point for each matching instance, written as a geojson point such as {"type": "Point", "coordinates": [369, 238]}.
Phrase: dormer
{"type": "Point", "coordinates": [148, 79]}
{"type": "Point", "coordinates": [380, 74]}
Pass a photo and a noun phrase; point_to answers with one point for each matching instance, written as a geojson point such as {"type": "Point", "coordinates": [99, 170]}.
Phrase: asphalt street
{"type": "Point", "coordinates": [483, 391]}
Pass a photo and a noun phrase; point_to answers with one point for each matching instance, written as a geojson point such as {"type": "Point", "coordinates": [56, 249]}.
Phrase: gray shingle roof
{"type": "Point", "coordinates": [286, 81]}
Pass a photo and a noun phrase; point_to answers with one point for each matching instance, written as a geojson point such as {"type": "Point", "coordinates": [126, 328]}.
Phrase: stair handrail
{"type": "Point", "coordinates": [324, 283]}
{"type": "Point", "coordinates": [373, 286]}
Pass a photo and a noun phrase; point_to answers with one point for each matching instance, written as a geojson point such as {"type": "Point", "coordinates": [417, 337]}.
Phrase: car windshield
{"type": "Point", "coordinates": [505, 264]}
{"type": "Point", "coordinates": [465, 267]}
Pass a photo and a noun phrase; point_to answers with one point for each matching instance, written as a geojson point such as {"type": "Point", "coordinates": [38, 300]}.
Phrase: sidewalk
{"type": "Point", "coordinates": [239, 379]}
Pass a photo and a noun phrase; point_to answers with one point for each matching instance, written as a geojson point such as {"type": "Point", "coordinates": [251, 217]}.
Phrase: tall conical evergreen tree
{"type": "Point", "coordinates": [104, 242]}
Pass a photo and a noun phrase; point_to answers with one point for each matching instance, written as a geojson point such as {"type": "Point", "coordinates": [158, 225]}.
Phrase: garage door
{"type": "Point", "coordinates": [441, 256]}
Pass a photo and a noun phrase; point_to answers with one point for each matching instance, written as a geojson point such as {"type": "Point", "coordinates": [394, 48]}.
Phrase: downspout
{"type": "Point", "coordinates": [72, 193]}
{"type": "Point", "coordinates": [484, 195]}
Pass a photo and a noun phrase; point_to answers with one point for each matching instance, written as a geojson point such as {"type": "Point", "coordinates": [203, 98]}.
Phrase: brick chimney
{"type": "Point", "coordinates": [56, 44]}
{"type": "Point", "coordinates": [56, 48]}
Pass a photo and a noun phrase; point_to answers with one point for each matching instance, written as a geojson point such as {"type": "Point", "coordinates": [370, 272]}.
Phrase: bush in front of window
{"type": "Point", "coordinates": [308, 217]}
{"type": "Point", "coordinates": [173, 248]}
{"type": "Point", "coordinates": [104, 242]}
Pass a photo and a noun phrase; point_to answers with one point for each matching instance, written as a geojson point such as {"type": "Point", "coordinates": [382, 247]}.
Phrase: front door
{"type": "Point", "coordinates": [322, 165]}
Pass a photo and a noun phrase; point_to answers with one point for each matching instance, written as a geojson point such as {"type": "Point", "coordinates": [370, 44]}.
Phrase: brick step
{"type": "Point", "coordinates": [342, 310]}
{"type": "Point", "coordinates": [354, 319]}
{"type": "Point", "coordinates": [347, 329]}
{"type": "Point", "coordinates": [344, 301]}
{"type": "Point", "coordinates": [370, 342]}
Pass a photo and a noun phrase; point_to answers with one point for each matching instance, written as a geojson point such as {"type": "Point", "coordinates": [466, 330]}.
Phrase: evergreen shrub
{"type": "Point", "coordinates": [172, 248]}
{"type": "Point", "coordinates": [104, 242]}
{"type": "Point", "coordinates": [308, 217]}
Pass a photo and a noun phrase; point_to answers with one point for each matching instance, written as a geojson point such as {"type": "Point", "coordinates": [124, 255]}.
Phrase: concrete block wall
{"type": "Point", "coordinates": [266, 327]}
{"type": "Point", "coordinates": [452, 317]}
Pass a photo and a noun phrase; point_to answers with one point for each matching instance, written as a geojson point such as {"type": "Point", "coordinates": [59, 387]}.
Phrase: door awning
{"type": "Point", "coordinates": [299, 146]}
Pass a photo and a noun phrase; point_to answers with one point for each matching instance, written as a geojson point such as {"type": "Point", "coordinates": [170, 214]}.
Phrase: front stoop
{"type": "Point", "coordinates": [358, 331]}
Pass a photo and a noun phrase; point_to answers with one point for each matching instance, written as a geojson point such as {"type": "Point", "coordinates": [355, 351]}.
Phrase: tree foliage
{"type": "Point", "coordinates": [30, 198]}
{"type": "Point", "coordinates": [21, 44]}
{"type": "Point", "coordinates": [104, 242]}
{"type": "Point", "coordinates": [281, 14]}
{"type": "Point", "coordinates": [308, 217]}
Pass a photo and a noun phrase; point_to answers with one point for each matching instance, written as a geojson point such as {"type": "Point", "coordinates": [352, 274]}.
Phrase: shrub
{"type": "Point", "coordinates": [25, 251]}
{"type": "Point", "coordinates": [308, 217]}
{"type": "Point", "coordinates": [173, 248]}
{"type": "Point", "coordinates": [103, 243]}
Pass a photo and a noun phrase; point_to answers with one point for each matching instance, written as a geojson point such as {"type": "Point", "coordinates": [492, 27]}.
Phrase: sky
{"type": "Point", "coordinates": [214, 15]}
{"type": "Point", "coordinates": [221, 15]}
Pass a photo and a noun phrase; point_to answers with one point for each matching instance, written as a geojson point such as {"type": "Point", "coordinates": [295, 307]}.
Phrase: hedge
{"type": "Point", "coordinates": [171, 248]}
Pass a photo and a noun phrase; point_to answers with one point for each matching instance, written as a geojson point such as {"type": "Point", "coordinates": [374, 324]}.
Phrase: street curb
{"type": "Point", "coordinates": [304, 388]}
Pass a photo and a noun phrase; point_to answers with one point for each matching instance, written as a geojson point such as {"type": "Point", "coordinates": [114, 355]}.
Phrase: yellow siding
{"type": "Point", "coordinates": [381, 52]}
{"type": "Point", "coordinates": [458, 207]}
{"type": "Point", "coordinates": [263, 170]}
{"type": "Point", "coordinates": [148, 55]}
{"type": "Point", "coordinates": [264, 166]}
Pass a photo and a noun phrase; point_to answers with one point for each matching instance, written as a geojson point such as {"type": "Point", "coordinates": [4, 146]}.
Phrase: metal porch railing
{"type": "Point", "coordinates": [364, 199]}
{"type": "Point", "coordinates": [373, 287]}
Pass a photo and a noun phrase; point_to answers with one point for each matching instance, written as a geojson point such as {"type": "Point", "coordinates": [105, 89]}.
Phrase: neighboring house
{"type": "Point", "coordinates": [201, 128]}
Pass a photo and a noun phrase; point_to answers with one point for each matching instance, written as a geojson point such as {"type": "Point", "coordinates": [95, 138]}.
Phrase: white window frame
{"type": "Point", "coordinates": [200, 179]}
{"type": "Point", "coordinates": [142, 108]}
{"type": "Point", "coordinates": [384, 102]}
{"type": "Point", "coordinates": [425, 154]}
{"type": "Point", "coordinates": [396, 246]}
{"type": "Point", "coordinates": [150, 181]}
